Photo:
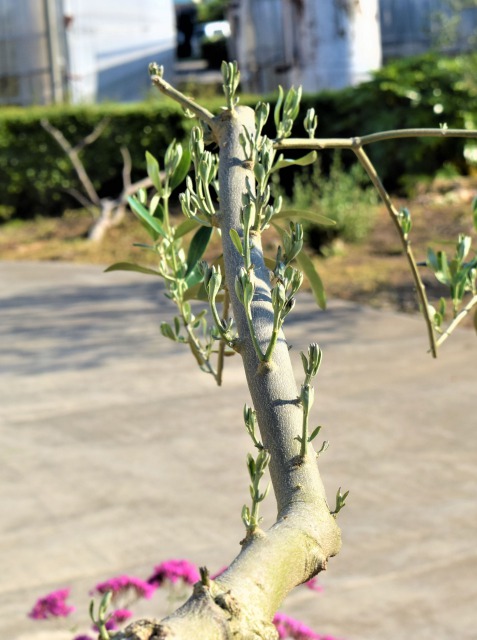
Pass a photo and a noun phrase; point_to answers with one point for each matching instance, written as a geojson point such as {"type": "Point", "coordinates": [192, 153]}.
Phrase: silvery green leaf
{"type": "Point", "coordinates": [153, 172]}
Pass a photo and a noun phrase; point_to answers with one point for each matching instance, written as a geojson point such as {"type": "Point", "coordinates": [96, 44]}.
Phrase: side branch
{"type": "Point", "coordinates": [73, 155]}
{"type": "Point", "coordinates": [393, 212]}
{"type": "Point", "coordinates": [167, 89]}
{"type": "Point", "coordinates": [457, 320]}
{"type": "Point", "coordinates": [360, 141]}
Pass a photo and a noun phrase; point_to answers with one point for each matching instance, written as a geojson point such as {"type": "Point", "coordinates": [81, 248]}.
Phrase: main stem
{"type": "Point", "coordinates": [243, 600]}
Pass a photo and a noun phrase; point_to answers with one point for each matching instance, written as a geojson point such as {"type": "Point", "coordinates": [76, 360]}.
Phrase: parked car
{"type": "Point", "coordinates": [209, 33]}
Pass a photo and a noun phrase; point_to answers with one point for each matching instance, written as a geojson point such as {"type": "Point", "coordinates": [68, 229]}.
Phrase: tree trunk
{"type": "Point", "coordinates": [241, 602]}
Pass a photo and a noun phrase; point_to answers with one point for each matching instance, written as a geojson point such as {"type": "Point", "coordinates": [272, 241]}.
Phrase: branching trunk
{"type": "Point", "coordinates": [241, 602]}
{"type": "Point", "coordinates": [107, 212]}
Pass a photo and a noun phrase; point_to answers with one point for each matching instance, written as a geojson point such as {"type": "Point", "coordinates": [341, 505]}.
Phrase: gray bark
{"type": "Point", "coordinates": [242, 601]}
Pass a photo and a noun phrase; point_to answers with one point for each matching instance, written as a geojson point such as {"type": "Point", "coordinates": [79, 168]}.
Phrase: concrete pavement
{"type": "Point", "coordinates": [116, 454]}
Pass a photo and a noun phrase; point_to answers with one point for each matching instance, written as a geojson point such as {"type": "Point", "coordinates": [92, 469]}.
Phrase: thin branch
{"type": "Point", "coordinates": [393, 212]}
{"type": "Point", "coordinates": [187, 103]}
{"type": "Point", "coordinates": [457, 320]}
{"type": "Point", "coordinates": [360, 141]}
{"type": "Point", "coordinates": [127, 167]}
{"type": "Point", "coordinates": [84, 202]}
{"type": "Point", "coordinates": [74, 158]}
{"type": "Point", "coordinates": [418, 133]}
{"type": "Point", "coordinates": [222, 343]}
{"type": "Point", "coordinates": [93, 136]}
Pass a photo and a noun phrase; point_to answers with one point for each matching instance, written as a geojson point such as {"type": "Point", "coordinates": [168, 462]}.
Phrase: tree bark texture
{"type": "Point", "coordinates": [241, 602]}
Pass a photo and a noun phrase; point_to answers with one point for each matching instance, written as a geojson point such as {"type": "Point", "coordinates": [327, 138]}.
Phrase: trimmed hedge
{"type": "Point", "coordinates": [35, 172]}
{"type": "Point", "coordinates": [416, 92]}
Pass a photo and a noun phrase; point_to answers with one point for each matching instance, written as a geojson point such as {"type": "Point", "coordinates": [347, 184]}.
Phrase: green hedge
{"type": "Point", "coordinates": [414, 92]}
{"type": "Point", "coordinates": [35, 172]}
{"type": "Point", "coordinates": [424, 91]}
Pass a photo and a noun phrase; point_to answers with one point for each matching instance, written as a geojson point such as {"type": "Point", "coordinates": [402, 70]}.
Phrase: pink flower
{"type": "Point", "coordinates": [218, 573]}
{"type": "Point", "coordinates": [53, 605]}
{"type": "Point", "coordinates": [313, 585]}
{"type": "Point", "coordinates": [173, 571]}
{"type": "Point", "coordinates": [121, 615]}
{"type": "Point", "coordinates": [288, 627]}
{"type": "Point", "coordinates": [122, 584]}
{"type": "Point", "coordinates": [115, 619]}
{"type": "Point", "coordinates": [83, 637]}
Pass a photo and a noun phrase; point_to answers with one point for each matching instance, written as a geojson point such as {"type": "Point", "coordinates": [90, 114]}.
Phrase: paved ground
{"type": "Point", "coordinates": [115, 454]}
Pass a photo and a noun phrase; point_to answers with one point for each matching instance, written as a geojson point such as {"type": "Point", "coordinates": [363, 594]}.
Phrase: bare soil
{"type": "Point", "coordinates": [373, 272]}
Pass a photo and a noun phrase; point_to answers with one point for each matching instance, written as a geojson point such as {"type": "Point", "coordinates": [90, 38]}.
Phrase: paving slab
{"type": "Point", "coordinates": [116, 454]}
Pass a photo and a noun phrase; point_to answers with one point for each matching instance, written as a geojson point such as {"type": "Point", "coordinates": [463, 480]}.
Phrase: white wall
{"type": "Point", "coordinates": [341, 42]}
{"type": "Point", "coordinates": [111, 42]}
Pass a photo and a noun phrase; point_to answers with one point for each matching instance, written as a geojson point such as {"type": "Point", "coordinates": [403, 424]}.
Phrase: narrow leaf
{"type": "Point", "coordinates": [182, 170]}
{"type": "Point", "coordinates": [308, 268]}
{"type": "Point", "coordinates": [234, 236]}
{"type": "Point", "coordinates": [197, 247]}
{"type": "Point", "coordinates": [129, 266]}
{"type": "Point", "coordinates": [185, 227]}
{"type": "Point", "coordinates": [314, 434]}
{"type": "Point", "coordinates": [282, 162]}
{"type": "Point", "coordinates": [197, 292]}
{"type": "Point", "coordinates": [152, 225]}
{"type": "Point", "coordinates": [153, 172]}
{"type": "Point", "coordinates": [474, 212]}
{"type": "Point", "coordinates": [278, 107]}
{"type": "Point", "coordinates": [194, 277]}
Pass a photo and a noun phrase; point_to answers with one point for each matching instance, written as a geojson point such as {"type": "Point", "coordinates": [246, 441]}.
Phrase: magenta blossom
{"type": "Point", "coordinates": [115, 619]}
{"type": "Point", "coordinates": [121, 615]}
{"type": "Point", "coordinates": [53, 605]}
{"type": "Point", "coordinates": [289, 628]}
{"type": "Point", "coordinates": [83, 637]}
{"type": "Point", "coordinates": [313, 585]}
{"type": "Point", "coordinates": [123, 584]}
{"type": "Point", "coordinates": [173, 571]}
{"type": "Point", "coordinates": [218, 573]}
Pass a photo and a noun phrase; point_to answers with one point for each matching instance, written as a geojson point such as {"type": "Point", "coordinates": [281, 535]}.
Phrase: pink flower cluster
{"type": "Point", "coordinates": [116, 618]}
{"type": "Point", "coordinates": [313, 585]}
{"type": "Point", "coordinates": [289, 628]}
{"type": "Point", "coordinates": [173, 571]}
{"type": "Point", "coordinates": [53, 605]}
{"type": "Point", "coordinates": [120, 585]}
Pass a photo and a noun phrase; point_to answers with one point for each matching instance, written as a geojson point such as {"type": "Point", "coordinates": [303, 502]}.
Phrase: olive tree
{"type": "Point", "coordinates": [247, 298]}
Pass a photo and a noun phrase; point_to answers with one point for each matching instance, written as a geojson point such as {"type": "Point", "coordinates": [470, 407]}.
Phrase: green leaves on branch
{"type": "Point", "coordinates": [311, 365]}
{"type": "Point", "coordinates": [213, 283]}
{"type": "Point", "coordinates": [405, 222]}
{"type": "Point", "coordinates": [306, 265]}
{"type": "Point", "coordinates": [286, 111]}
{"type": "Point", "coordinates": [456, 273]}
{"type": "Point", "coordinates": [100, 621]}
{"type": "Point", "coordinates": [304, 161]}
{"type": "Point", "coordinates": [180, 271]}
{"type": "Point", "coordinates": [197, 203]}
{"type": "Point", "coordinates": [231, 77]}
{"type": "Point", "coordinates": [310, 123]}
{"type": "Point", "coordinates": [340, 501]}
{"type": "Point", "coordinates": [250, 419]}
{"type": "Point", "coordinates": [152, 225]}
{"type": "Point", "coordinates": [256, 469]}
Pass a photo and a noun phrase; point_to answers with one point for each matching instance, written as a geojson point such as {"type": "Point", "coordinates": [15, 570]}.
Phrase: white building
{"type": "Point", "coordinates": [82, 50]}
{"type": "Point", "coordinates": [320, 44]}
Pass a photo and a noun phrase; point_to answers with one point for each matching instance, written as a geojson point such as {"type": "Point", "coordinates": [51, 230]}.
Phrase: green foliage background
{"type": "Point", "coordinates": [426, 91]}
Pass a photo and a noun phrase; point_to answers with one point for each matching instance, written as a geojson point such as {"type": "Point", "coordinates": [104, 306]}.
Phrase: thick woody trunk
{"type": "Point", "coordinates": [241, 603]}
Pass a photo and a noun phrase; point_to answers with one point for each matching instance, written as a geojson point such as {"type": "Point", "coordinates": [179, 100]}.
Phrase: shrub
{"type": "Point", "coordinates": [343, 196]}
{"type": "Point", "coordinates": [424, 91]}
